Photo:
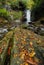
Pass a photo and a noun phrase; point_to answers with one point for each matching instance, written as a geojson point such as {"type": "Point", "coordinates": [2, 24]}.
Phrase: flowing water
{"type": "Point", "coordinates": [28, 16]}
{"type": "Point", "coordinates": [3, 31]}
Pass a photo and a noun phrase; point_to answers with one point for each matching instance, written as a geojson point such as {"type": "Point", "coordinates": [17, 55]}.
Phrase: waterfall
{"type": "Point", "coordinates": [28, 16]}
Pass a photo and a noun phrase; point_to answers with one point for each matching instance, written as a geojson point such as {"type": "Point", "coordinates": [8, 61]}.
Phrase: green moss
{"type": "Point", "coordinates": [17, 15]}
{"type": "Point", "coordinates": [24, 26]}
{"type": "Point", "coordinates": [4, 13]}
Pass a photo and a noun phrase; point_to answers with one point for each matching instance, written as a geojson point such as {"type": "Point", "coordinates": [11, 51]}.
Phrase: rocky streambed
{"type": "Point", "coordinates": [27, 48]}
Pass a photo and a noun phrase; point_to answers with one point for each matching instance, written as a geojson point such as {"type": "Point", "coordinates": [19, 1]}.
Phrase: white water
{"type": "Point", "coordinates": [3, 30]}
{"type": "Point", "coordinates": [28, 16]}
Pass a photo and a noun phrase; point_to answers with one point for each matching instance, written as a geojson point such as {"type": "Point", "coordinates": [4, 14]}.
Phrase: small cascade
{"type": "Point", "coordinates": [28, 16]}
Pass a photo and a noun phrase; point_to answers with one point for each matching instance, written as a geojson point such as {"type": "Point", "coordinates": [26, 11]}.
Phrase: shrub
{"type": "Point", "coordinates": [17, 15]}
{"type": "Point", "coordinates": [4, 13]}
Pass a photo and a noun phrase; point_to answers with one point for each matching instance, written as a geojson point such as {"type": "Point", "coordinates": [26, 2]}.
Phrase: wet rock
{"type": "Point", "coordinates": [39, 30]}
{"type": "Point", "coordinates": [3, 30]}
{"type": "Point", "coordinates": [42, 22]}
{"type": "Point", "coordinates": [8, 7]}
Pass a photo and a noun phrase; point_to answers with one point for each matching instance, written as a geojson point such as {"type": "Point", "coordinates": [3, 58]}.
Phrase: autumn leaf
{"type": "Point", "coordinates": [0, 50]}
{"type": "Point", "coordinates": [9, 50]}
{"type": "Point", "coordinates": [39, 41]}
{"type": "Point", "coordinates": [22, 56]}
{"type": "Point", "coordinates": [32, 54]}
{"type": "Point", "coordinates": [30, 61]}
{"type": "Point", "coordinates": [26, 64]}
{"type": "Point", "coordinates": [36, 59]}
{"type": "Point", "coordinates": [23, 42]}
{"type": "Point", "coordinates": [31, 44]}
{"type": "Point", "coordinates": [15, 55]}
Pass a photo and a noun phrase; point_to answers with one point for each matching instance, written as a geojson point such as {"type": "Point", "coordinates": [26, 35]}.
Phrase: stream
{"type": "Point", "coordinates": [27, 13]}
{"type": "Point", "coordinates": [28, 16]}
{"type": "Point", "coordinates": [4, 30]}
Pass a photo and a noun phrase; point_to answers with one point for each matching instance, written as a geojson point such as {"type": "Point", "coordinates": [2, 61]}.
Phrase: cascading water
{"type": "Point", "coordinates": [28, 16]}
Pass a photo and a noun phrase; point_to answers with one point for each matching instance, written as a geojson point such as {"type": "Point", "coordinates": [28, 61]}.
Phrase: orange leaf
{"type": "Point", "coordinates": [32, 54]}
{"type": "Point", "coordinates": [0, 50]}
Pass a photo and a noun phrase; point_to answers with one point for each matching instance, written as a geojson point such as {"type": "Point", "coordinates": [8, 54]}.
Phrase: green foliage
{"type": "Point", "coordinates": [30, 4]}
{"type": "Point", "coordinates": [17, 15]}
{"type": "Point", "coordinates": [37, 3]}
{"type": "Point", "coordinates": [3, 1]}
{"type": "Point", "coordinates": [4, 13]}
{"type": "Point", "coordinates": [14, 3]}
{"type": "Point", "coordinates": [1, 6]}
{"type": "Point", "coordinates": [33, 3]}
{"type": "Point", "coordinates": [24, 26]}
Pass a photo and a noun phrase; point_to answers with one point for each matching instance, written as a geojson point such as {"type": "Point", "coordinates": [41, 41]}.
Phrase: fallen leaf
{"type": "Point", "coordinates": [30, 61]}
{"type": "Point", "coordinates": [32, 54]}
{"type": "Point", "coordinates": [0, 50]}
{"type": "Point", "coordinates": [31, 44]}
{"type": "Point", "coordinates": [26, 64]}
{"type": "Point", "coordinates": [15, 55]}
{"type": "Point", "coordinates": [39, 41]}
